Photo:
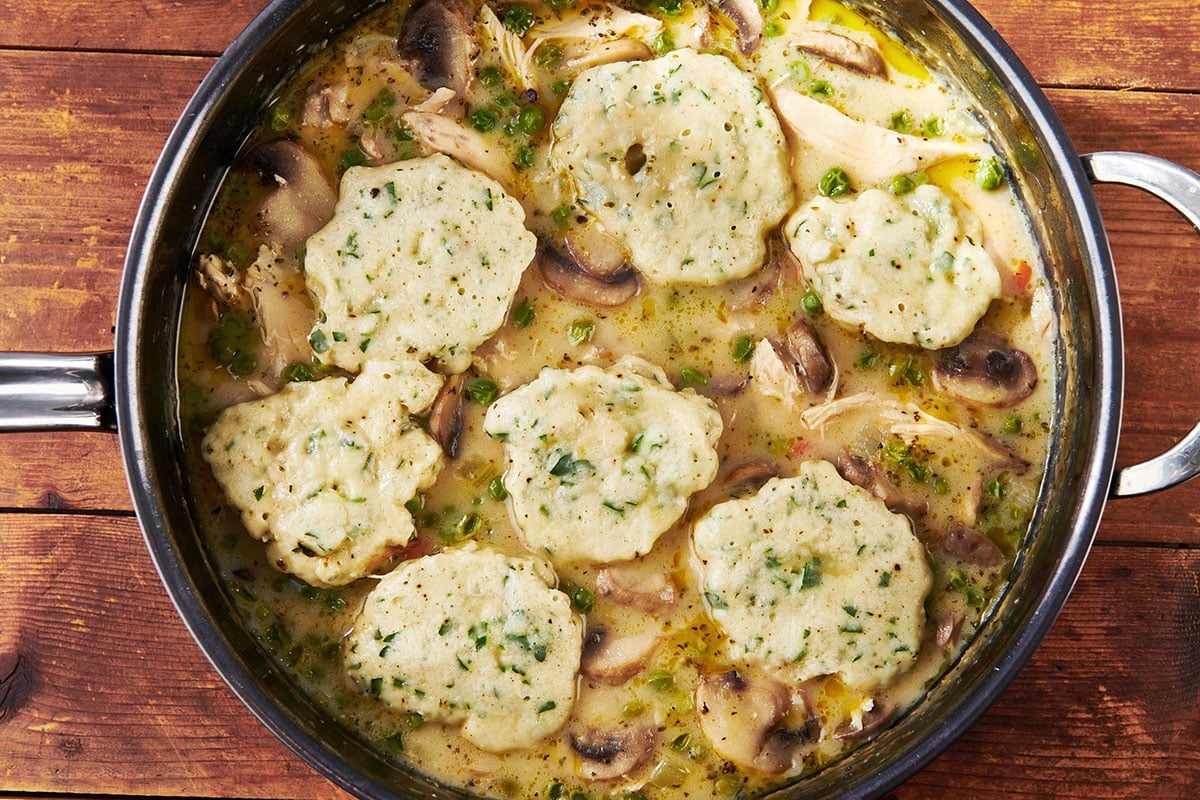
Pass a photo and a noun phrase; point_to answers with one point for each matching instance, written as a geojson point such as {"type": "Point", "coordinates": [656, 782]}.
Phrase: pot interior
{"type": "Point", "coordinates": [950, 36]}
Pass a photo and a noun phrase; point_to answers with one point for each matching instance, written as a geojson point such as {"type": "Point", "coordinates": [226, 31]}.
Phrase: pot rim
{"type": "Point", "coordinates": [140, 441]}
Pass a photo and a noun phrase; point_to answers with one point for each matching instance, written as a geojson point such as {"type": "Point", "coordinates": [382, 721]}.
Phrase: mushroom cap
{"type": "Point", "coordinates": [985, 369]}
{"type": "Point", "coordinates": [438, 39]}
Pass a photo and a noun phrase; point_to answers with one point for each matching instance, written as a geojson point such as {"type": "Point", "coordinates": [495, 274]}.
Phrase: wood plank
{"type": "Point", "coordinates": [1110, 702]}
{"type": "Point", "coordinates": [79, 135]}
{"type": "Point", "coordinates": [1102, 43]}
{"type": "Point", "coordinates": [63, 472]}
{"type": "Point", "coordinates": [106, 690]}
{"type": "Point", "coordinates": [161, 26]}
{"type": "Point", "coordinates": [1096, 42]}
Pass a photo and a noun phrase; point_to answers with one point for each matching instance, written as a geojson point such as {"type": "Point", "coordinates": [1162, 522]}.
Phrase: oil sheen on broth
{"type": "Point", "coordinates": [568, 378]}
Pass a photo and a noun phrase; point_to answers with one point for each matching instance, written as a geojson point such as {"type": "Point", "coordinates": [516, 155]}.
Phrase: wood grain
{"type": "Point", "coordinates": [106, 690]}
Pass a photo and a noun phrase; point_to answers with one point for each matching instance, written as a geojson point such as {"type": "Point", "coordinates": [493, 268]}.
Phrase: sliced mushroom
{"type": "Point", "coordinates": [636, 587]}
{"type": "Point", "coordinates": [749, 477]}
{"type": "Point", "coordinates": [985, 369]}
{"type": "Point", "coordinates": [968, 546]}
{"type": "Point", "coordinates": [780, 269]}
{"type": "Point", "coordinates": [796, 366]}
{"type": "Point", "coordinates": [863, 473]}
{"type": "Point", "coordinates": [866, 724]}
{"type": "Point", "coordinates": [326, 104]}
{"type": "Point", "coordinates": [443, 135]}
{"type": "Point", "coordinates": [739, 713]}
{"type": "Point", "coordinates": [570, 273]}
{"type": "Point", "coordinates": [302, 197]}
{"type": "Point", "coordinates": [747, 18]}
{"type": "Point", "coordinates": [841, 50]}
{"type": "Point", "coordinates": [779, 752]}
{"type": "Point", "coordinates": [610, 755]}
{"type": "Point", "coordinates": [612, 659]}
{"type": "Point", "coordinates": [438, 41]}
{"type": "Point", "coordinates": [446, 414]}
{"type": "Point", "coordinates": [946, 628]}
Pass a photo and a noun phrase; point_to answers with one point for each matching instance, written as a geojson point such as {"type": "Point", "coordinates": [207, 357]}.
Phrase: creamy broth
{"type": "Point", "coordinates": [960, 463]}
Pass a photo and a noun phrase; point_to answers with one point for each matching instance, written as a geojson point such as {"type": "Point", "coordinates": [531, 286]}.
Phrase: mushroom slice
{"type": "Point", "coordinates": [867, 723]}
{"type": "Point", "coordinates": [610, 755]}
{"type": "Point", "coordinates": [746, 479]}
{"type": "Point", "coordinates": [302, 197]}
{"type": "Point", "coordinates": [612, 659]}
{"type": "Point", "coordinates": [446, 414]}
{"type": "Point", "coordinates": [570, 273]}
{"type": "Point", "coordinates": [862, 473]}
{"type": "Point", "coordinates": [781, 269]}
{"type": "Point", "coordinates": [841, 50]}
{"type": "Point", "coordinates": [968, 546]}
{"type": "Point", "coordinates": [984, 368]}
{"type": "Point", "coordinates": [877, 153]}
{"type": "Point", "coordinates": [636, 586]}
{"type": "Point", "coordinates": [779, 752]}
{"type": "Point", "coordinates": [325, 105]}
{"type": "Point", "coordinates": [747, 18]}
{"type": "Point", "coordinates": [739, 714]}
{"type": "Point", "coordinates": [794, 367]}
{"type": "Point", "coordinates": [466, 146]}
{"type": "Point", "coordinates": [438, 41]}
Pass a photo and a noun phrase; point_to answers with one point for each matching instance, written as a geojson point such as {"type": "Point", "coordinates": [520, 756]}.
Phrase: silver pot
{"type": "Point", "coordinates": [133, 389]}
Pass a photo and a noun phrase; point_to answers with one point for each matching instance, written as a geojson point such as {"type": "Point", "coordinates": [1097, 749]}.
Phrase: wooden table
{"type": "Point", "coordinates": [104, 693]}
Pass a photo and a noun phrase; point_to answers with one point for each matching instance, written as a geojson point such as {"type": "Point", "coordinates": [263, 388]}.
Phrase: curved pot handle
{"type": "Point", "coordinates": [47, 392]}
{"type": "Point", "coordinates": [1179, 188]}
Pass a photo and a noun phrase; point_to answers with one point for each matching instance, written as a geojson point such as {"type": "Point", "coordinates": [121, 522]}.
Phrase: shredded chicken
{"type": "Point", "coordinates": [877, 154]}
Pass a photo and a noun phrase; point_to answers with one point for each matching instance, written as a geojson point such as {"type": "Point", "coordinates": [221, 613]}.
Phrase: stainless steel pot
{"type": "Point", "coordinates": [133, 390]}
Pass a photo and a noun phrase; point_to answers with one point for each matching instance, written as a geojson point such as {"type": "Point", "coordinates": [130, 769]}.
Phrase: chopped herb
{"type": "Point", "coordinates": [933, 127]}
{"type": "Point", "coordinates": [743, 349]}
{"type": "Point", "coordinates": [901, 122]}
{"type": "Point", "coordinates": [567, 466]}
{"type": "Point", "coordinates": [522, 314]}
{"type": "Point", "coordinates": [496, 488]}
{"type": "Point", "coordinates": [996, 489]}
{"type": "Point", "coordinates": [378, 110]}
{"type": "Point", "coordinates": [660, 680]}
{"type": "Point", "coordinates": [810, 574]}
{"type": "Point", "coordinates": [549, 705]}
{"type": "Point", "coordinates": [670, 7]}
{"type": "Point", "coordinates": [820, 89]}
{"type": "Point", "coordinates": [376, 686]}
{"type": "Point", "coordinates": [280, 116]}
{"type": "Point", "coordinates": [662, 44]}
{"type": "Point", "coordinates": [885, 579]}
{"type": "Point", "coordinates": [714, 600]}
{"type": "Point", "coordinates": [867, 359]}
{"type": "Point", "coordinates": [1012, 424]}
{"type": "Point", "coordinates": [318, 342]}
{"type": "Point", "coordinates": [483, 391]}
{"type": "Point", "coordinates": [394, 742]}
{"type": "Point", "coordinates": [561, 216]}
{"type": "Point", "coordinates": [690, 376]}
{"type": "Point", "coordinates": [581, 331]}
{"type": "Point", "coordinates": [353, 157]}
{"type": "Point", "coordinates": [258, 493]}
{"type": "Point", "coordinates": [298, 372]}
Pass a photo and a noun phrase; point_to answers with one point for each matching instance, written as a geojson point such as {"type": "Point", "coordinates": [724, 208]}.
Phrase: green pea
{"type": "Point", "coordinates": [901, 184]}
{"type": "Point", "coordinates": [531, 120]}
{"type": "Point", "coordinates": [519, 20]}
{"type": "Point", "coordinates": [491, 77]}
{"type": "Point", "coordinates": [483, 120]}
{"type": "Point", "coordinates": [989, 174]}
{"type": "Point", "coordinates": [834, 183]}
{"type": "Point", "coordinates": [811, 302]}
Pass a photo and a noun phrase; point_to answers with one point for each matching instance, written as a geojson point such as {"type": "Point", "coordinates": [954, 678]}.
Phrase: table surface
{"type": "Point", "coordinates": [104, 693]}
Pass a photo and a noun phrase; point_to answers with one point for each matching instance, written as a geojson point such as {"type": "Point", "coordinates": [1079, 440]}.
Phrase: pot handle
{"type": "Point", "coordinates": [50, 392]}
{"type": "Point", "coordinates": [1180, 188]}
